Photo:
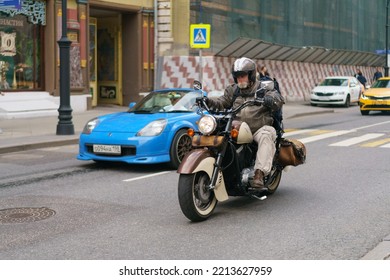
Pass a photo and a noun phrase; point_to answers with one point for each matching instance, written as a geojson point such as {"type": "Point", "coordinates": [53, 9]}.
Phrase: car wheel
{"type": "Point", "coordinates": [181, 145]}
{"type": "Point", "coordinates": [347, 102]}
{"type": "Point", "coordinates": [364, 113]}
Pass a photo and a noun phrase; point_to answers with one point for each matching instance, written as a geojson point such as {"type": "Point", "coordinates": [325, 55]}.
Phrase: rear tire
{"type": "Point", "coordinates": [275, 176]}
{"type": "Point", "coordinates": [196, 201]}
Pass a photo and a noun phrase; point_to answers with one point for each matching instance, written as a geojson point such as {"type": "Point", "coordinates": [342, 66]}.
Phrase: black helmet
{"type": "Point", "coordinates": [244, 65]}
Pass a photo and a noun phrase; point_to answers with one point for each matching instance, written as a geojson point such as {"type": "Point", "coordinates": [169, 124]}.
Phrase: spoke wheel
{"type": "Point", "coordinates": [181, 145]}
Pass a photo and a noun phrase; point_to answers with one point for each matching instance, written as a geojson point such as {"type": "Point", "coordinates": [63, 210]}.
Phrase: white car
{"type": "Point", "coordinates": [337, 90]}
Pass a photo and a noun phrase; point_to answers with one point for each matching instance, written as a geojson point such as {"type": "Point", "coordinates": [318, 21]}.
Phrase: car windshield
{"type": "Point", "coordinates": [167, 101]}
{"type": "Point", "coordinates": [381, 84]}
{"type": "Point", "coordinates": [334, 82]}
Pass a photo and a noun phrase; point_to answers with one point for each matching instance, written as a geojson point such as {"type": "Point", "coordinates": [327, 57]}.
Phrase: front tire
{"type": "Point", "coordinates": [196, 201]}
{"type": "Point", "coordinates": [347, 102]}
{"type": "Point", "coordinates": [180, 146]}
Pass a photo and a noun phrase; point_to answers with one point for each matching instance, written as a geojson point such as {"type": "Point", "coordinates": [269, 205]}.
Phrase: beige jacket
{"type": "Point", "coordinates": [254, 116]}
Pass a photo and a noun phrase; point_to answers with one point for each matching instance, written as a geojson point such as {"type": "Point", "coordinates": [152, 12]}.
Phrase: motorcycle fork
{"type": "Point", "coordinates": [217, 167]}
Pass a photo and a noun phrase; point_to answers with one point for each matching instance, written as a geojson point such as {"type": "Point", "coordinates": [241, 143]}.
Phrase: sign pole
{"type": "Point", "coordinates": [201, 67]}
{"type": "Point", "coordinates": [387, 40]}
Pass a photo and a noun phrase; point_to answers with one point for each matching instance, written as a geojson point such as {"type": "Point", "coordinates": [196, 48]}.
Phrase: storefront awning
{"type": "Point", "coordinates": [261, 50]}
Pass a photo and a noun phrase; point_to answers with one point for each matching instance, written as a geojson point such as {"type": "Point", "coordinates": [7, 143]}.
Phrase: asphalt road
{"type": "Point", "coordinates": [334, 207]}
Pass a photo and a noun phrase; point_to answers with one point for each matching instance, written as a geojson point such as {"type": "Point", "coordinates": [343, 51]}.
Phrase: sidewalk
{"type": "Point", "coordinates": [29, 133]}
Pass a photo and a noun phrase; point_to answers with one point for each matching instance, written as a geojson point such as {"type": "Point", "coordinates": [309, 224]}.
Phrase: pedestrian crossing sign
{"type": "Point", "coordinates": [200, 36]}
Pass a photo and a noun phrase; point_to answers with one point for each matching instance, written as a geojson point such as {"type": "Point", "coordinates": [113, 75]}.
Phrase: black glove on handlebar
{"type": "Point", "coordinates": [268, 101]}
{"type": "Point", "coordinates": [200, 99]}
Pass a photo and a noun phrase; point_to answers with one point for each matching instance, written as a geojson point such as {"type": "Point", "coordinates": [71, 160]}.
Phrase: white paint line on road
{"type": "Point", "coordinates": [324, 136]}
{"type": "Point", "coordinates": [357, 140]}
{"type": "Point", "coordinates": [371, 125]}
{"type": "Point", "coordinates": [147, 176]}
{"type": "Point", "coordinates": [295, 132]}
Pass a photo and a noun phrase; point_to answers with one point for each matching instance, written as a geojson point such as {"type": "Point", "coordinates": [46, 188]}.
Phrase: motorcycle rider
{"type": "Point", "coordinates": [259, 118]}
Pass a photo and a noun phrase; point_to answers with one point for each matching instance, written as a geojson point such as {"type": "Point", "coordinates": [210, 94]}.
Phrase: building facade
{"type": "Point", "coordinates": [121, 49]}
{"type": "Point", "coordinates": [111, 53]}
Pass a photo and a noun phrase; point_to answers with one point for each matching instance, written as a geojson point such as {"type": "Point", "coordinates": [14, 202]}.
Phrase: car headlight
{"type": "Point", "coordinates": [207, 124]}
{"type": "Point", "coordinates": [154, 128]}
{"type": "Point", "coordinates": [90, 126]}
{"type": "Point", "coordinates": [362, 96]}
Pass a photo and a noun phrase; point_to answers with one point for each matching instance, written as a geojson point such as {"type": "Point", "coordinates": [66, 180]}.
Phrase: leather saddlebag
{"type": "Point", "coordinates": [292, 152]}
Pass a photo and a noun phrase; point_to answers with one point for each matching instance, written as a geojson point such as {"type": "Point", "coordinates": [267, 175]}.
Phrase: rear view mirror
{"type": "Point", "coordinates": [197, 85]}
{"type": "Point", "coordinates": [268, 85]}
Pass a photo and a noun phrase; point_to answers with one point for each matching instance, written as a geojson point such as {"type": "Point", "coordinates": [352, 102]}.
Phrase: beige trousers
{"type": "Point", "coordinates": [265, 138]}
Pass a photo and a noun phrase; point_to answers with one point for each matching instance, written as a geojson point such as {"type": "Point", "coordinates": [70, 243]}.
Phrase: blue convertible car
{"type": "Point", "coordinates": [151, 131]}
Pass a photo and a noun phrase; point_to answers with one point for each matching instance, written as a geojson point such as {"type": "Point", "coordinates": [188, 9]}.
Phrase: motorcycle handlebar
{"type": "Point", "coordinates": [202, 103]}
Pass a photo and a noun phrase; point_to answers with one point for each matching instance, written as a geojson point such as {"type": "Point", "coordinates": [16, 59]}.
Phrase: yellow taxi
{"type": "Point", "coordinates": [376, 98]}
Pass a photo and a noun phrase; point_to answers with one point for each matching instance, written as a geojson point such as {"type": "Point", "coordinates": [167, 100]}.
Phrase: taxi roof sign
{"type": "Point", "coordinates": [200, 36]}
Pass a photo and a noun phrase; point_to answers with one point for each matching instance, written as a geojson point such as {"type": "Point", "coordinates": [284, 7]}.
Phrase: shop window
{"type": "Point", "coordinates": [20, 53]}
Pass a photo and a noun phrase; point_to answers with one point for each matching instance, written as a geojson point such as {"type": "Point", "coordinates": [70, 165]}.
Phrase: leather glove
{"type": "Point", "coordinates": [268, 101]}
{"type": "Point", "coordinates": [199, 100]}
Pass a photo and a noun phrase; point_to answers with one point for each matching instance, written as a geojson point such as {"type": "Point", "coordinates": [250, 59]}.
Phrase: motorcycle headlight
{"type": "Point", "coordinates": [90, 126]}
{"type": "Point", "coordinates": [207, 124]}
{"type": "Point", "coordinates": [153, 129]}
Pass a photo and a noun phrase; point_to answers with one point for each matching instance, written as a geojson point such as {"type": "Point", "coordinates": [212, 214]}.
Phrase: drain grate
{"type": "Point", "coordinates": [25, 215]}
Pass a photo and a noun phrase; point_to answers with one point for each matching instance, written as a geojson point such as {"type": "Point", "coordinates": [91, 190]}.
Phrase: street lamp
{"type": "Point", "coordinates": [65, 125]}
{"type": "Point", "coordinates": [387, 39]}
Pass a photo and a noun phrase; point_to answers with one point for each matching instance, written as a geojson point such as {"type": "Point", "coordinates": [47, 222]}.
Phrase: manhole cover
{"type": "Point", "coordinates": [25, 215]}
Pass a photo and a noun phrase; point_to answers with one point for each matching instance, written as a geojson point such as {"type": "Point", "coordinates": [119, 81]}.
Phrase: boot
{"type": "Point", "coordinates": [258, 181]}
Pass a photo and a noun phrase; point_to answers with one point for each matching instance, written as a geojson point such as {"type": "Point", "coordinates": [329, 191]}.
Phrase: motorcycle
{"type": "Point", "coordinates": [221, 162]}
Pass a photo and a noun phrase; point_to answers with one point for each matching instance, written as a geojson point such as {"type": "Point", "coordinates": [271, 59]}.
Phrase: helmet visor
{"type": "Point", "coordinates": [238, 74]}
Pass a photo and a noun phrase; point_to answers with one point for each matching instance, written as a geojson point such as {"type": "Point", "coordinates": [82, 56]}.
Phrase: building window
{"type": "Point", "coordinates": [20, 53]}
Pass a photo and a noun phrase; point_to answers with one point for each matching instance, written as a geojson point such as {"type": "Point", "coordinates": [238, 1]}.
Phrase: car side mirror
{"type": "Point", "coordinates": [132, 104]}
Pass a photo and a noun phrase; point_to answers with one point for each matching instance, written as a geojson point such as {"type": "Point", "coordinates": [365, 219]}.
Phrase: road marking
{"type": "Point", "coordinates": [146, 176]}
{"type": "Point", "coordinates": [324, 136]}
{"type": "Point", "coordinates": [295, 132]}
{"type": "Point", "coordinates": [357, 140]}
{"type": "Point", "coordinates": [377, 143]}
{"type": "Point", "coordinates": [318, 134]}
{"type": "Point", "coordinates": [385, 146]}
{"type": "Point", "coordinates": [371, 125]}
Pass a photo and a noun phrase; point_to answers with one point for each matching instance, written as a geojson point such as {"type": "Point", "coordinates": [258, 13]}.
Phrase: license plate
{"type": "Point", "coordinates": [107, 149]}
{"type": "Point", "coordinates": [380, 102]}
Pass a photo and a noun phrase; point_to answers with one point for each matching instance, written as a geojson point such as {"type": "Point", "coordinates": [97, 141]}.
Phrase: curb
{"type": "Point", "coordinates": [38, 145]}
{"type": "Point", "coordinates": [310, 113]}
